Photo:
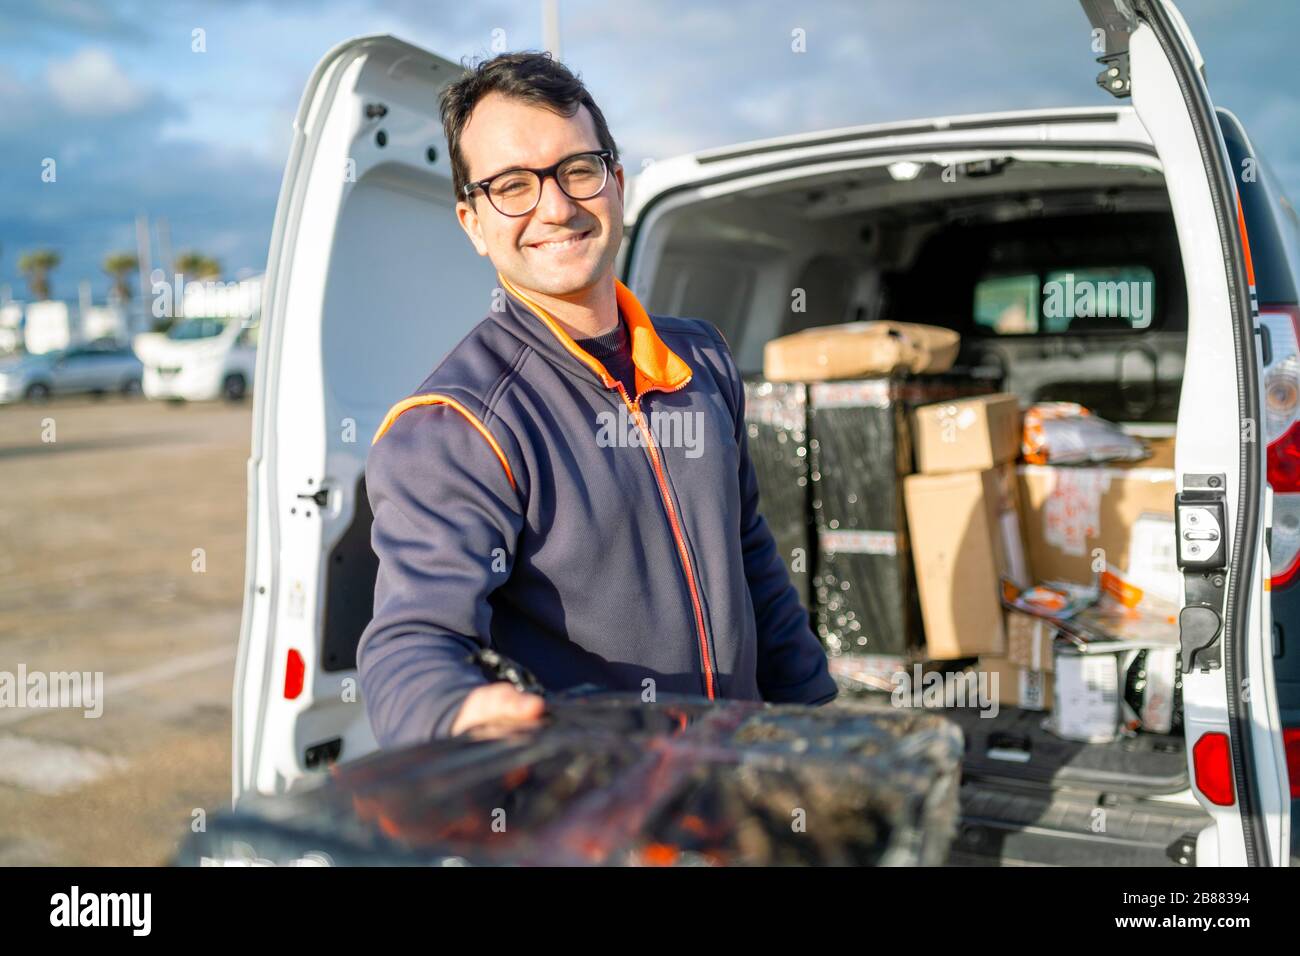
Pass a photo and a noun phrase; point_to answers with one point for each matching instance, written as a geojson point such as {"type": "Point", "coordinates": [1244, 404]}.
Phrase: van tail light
{"type": "Point", "coordinates": [1212, 761]}
{"type": "Point", "coordinates": [1282, 434]}
{"type": "Point", "coordinates": [295, 670]}
{"type": "Point", "coordinates": [1291, 741]}
{"type": "Point", "coordinates": [1284, 544]}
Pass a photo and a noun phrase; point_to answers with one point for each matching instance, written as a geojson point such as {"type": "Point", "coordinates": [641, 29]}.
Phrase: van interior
{"type": "Point", "coordinates": [971, 253]}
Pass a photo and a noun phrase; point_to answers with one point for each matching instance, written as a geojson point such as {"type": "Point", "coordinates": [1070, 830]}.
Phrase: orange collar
{"type": "Point", "coordinates": [657, 366]}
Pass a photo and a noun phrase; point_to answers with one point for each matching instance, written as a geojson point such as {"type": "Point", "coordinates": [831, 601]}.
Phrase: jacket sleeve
{"type": "Point", "coordinates": [792, 664]}
{"type": "Point", "coordinates": [446, 522]}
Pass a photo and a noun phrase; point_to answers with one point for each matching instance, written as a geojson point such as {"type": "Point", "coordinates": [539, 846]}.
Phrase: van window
{"type": "Point", "coordinates": [1092, 299]}
{"type": "Point", "coordinates": [1088, 299]}
{"type": "Point", "coordinates": [1007, 305]}
{"type": "Point", "coordinates": [196, 328]}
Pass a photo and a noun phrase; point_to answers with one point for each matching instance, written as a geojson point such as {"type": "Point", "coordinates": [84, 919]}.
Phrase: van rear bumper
{"type": "Point", "coordinates": [1007, 825]}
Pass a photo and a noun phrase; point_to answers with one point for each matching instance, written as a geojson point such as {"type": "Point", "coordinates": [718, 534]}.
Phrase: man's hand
{"type": "Point", "coordinates": [497, 703]}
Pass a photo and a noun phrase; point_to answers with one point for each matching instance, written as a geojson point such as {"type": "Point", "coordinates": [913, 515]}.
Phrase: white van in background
{"type": "Point", "coordinates": [371, 281]}
{"type": "Point", "coordinates": [50, 326]}
{"type": "Point", "coordinates": [210, 351]}
{"type": "Point", "coordinates": [199, 359]}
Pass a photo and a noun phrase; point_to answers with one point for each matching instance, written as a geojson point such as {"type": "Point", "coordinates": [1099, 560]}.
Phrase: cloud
{"type": "Point", "coordinates": [140, 123]}
{"type": "Point", "coordinates": [90, 83]}
{"type": "Point", "coordinates": [49, 22]}
{"type": "Point", "coordinates": [112, 164]}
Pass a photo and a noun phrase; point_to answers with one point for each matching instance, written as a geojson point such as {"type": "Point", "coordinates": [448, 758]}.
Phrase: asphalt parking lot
{"type": "Point", "coordinates": [121, 553]}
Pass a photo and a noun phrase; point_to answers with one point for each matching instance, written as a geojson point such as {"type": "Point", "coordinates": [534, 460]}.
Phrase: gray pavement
{"type": "Point", "coordinates": [99, 573]}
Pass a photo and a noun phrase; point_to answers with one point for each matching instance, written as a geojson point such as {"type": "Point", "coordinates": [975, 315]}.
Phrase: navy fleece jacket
{"type": "Point", "coordinates": [524, 501]}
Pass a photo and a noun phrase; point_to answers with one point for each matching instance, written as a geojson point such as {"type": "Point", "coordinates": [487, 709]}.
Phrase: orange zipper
{"type": "Point", "coordinates": [653, 451]}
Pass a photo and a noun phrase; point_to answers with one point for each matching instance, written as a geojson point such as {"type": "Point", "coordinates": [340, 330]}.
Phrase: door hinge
{"type": "Point", "coordinates": [1113, 23]}
{"type": "Point", "coordinates": [1114, 79]}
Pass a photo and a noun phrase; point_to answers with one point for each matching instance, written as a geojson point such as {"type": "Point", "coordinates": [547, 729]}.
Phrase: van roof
{"type": "Point", "coordinates": [939, 124]}
{"type": "Point", "coordinates": [1068, 127]}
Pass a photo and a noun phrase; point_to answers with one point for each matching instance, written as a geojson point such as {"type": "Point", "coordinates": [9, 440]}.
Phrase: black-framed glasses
{"type": "Point", "coordinates": [516, 192]}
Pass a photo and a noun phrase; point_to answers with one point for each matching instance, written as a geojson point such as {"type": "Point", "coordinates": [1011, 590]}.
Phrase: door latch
{"type": "Point", "coordinates": [1200, 524]}
{"type": "Point", "coordinates": [1200, 520]}
{"type": "Point", "coordinates": [321, 496]}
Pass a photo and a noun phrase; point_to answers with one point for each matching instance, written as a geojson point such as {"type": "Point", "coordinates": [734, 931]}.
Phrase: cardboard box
{"type": "Point", "coordinates": [1029, 641]}
{"type": "Point", "coordinates": [1086, 697]}
{"type": "Point", "coordinates": [859, 349]}
{"type": "Point", "coordinates": [1018, 686]}
{"type": "Point", "coordinates": [1079, 519]}
{"type": "Point", "coordinates": [965, 534]}
{"type": "Point", "coordinates": [967, 435]}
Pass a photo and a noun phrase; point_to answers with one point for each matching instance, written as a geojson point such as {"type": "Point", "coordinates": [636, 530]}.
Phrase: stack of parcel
{"type": "Point", "coordinates": [930, 523]}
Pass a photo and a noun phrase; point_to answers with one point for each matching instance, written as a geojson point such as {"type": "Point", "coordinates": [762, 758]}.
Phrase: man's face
{"type": "Point", "coordinates": [503, 133]}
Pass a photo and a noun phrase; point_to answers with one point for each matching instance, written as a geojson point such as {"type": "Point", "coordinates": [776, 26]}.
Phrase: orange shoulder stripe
{"type": "Point", "coordinates": [433, 398]}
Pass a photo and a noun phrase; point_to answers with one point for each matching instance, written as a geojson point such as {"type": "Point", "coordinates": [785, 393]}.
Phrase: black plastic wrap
{"type": "Point", "coordinates": [609, 780]}
{"type": "Point", "coordinates": [865, 602]}
{"type": "Point", "coordinates": [776, 418]}
{"type": "Point", "coordinates": [860, 446]}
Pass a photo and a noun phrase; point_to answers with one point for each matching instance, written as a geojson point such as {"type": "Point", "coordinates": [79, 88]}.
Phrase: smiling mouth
{"type": "Point", "coordinates": [560, 243]}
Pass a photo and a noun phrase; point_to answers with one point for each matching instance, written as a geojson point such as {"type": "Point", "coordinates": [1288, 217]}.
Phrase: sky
{"type": "Point", "coordinates": [138, 121]}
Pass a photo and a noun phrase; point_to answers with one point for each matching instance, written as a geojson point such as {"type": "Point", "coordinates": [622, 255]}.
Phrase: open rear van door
{"type": "Point", "coordinates": [370, 281]}
{"type": "Point", "coordinates": [1234, 737]}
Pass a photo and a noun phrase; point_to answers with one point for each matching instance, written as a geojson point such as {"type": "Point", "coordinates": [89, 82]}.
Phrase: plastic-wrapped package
{"type": "Point", "coordinates": [609, 780]}
{"type": "Point", "coordinates": [863, 591]}
{"type": "Point", "coordinates": [1065, 433]}
{"type": "Point", "coordinates": [863, 583]}
{"type": "Point", "coordinates": [776, 420]}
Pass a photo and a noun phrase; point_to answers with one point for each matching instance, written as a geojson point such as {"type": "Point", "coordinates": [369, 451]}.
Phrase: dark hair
{"type": "Point", "coordinates": [533, 77]}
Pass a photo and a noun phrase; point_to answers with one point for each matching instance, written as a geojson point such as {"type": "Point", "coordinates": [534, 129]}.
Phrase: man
{"type": "Point", "coordinates": [571, 486]}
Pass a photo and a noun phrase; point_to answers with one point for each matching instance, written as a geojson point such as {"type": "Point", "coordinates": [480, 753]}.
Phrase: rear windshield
{"type": "Point", "coordinates": [1091, 299]}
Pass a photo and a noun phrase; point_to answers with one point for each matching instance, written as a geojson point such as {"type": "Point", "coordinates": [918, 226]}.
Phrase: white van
{"type": "Point", "coordinates": [371, 281]}
{"type": "Point", "coordinates": [199, 358]}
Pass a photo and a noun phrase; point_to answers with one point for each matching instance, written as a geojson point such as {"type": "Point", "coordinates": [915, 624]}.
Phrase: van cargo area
{"type": "Point", "coordinates": [974, 247]}
{"type": "Point", "coordinates": [854, 245]}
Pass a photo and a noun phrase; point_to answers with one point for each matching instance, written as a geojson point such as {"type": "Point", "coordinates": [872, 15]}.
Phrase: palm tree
{"type": "Point", "coordinates": [37, 265]}
{"type": "Point", "coordinates": [120, 265]}
{"type": "Point", "coordinates": [194, 263]}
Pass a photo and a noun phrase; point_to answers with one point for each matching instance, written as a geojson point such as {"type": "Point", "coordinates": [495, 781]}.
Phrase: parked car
{"type": "Point", "coordinates": [371, 282]}
{"type": "Point", "coordinates": [198, 359]}
{"type": "Point", "coordinates": [97, 368]}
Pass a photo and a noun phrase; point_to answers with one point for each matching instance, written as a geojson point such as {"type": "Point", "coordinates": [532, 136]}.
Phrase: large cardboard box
{"type": "Point", "coordinates": [1079, 519]}
{"type": "Point", "coordinates": [965, 534]}
{"type": "Point", "coordinates": [1019, 686]}
{"type": "Point", "coordinates": [967, 435]}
